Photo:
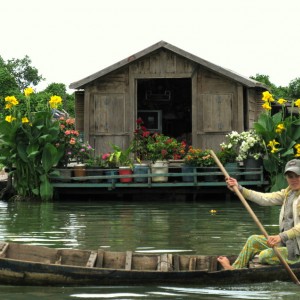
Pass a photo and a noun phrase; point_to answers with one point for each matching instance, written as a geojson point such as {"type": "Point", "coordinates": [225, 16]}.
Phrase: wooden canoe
{"type": "Point", "coordinates": [37, 265]}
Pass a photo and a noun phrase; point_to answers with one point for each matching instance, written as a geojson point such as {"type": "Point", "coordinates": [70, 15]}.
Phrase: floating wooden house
{"type": "Point", "coordinates": [175, 92]}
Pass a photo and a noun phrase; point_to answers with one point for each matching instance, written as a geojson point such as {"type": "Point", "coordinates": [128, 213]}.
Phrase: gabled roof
{"type": "Point", "coordinates": [80, 84]}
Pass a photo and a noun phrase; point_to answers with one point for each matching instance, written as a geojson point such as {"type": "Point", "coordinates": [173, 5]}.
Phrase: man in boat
{"type": "Point", "coordinates": [288, 240]}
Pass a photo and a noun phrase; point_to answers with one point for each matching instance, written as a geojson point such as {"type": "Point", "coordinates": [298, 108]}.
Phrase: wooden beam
{"type": "Point", "coordinates": [128, 260]}
{"type": "Point", "coordinates": [92, 259]}
{"type": "Point", "coordinates": [4, 247]}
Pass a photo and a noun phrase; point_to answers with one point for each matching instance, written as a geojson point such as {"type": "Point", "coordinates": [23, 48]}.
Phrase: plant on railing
{"type": "Point", "coordinates": [74, 149]}
{"type": "Point", "coordinates": [192, 157]}
{"type": "Point", "coordinates": [28, 146]}
{"type": "Point", "coordinates": [281, 135]}
{"type": "Point", "coordinates": [162, 147]}
{"type": "Point", "coordinates": [206, 159]}
{"type": "Point", "coordinates": [240, 146]}
{"type": "Point", "coordinates": [140, 141]}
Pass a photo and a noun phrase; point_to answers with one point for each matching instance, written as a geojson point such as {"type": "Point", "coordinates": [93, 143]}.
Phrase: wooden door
{"type": "Point", "coordinates": [107, 121]}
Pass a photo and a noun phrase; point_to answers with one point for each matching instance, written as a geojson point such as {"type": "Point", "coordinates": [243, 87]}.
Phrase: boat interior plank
{"type": "Point", "coordinates": [92, 259]}
{"type": "Point", "coordinates": [192, 263]}
{"type": "Point", "coordinates": [176, 262]}
{"type": "Point", "coordinates": [99, 262]}
{"type": "Point", "coordinates": [3, 248]}
{"type": "Point", "coordinates": [128, 261]}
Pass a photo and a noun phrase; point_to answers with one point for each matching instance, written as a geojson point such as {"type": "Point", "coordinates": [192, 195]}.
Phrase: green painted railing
{"type": "Point", "coordinates": [175, 179]}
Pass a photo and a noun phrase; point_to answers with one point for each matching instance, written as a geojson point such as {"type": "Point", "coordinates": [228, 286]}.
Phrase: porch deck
{"type": "Point", "coordinates": [176, 184]}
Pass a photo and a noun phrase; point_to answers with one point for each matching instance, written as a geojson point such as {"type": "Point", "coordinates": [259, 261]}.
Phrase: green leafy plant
{"type": "Point", "coordinates": [140, 141]}
{"type": "Point", "coordinates": [281, 135]}
{"type": "Point", "coordinates": [29, 146]}
{"type": "Point", "coordinates": [206, 159]}
{"type": "Point", "coordinates": [162, 147]}
{"type": "Point", "coordinates": [192, 157]}
{"type": "Point", "coordinates": [123, 155]}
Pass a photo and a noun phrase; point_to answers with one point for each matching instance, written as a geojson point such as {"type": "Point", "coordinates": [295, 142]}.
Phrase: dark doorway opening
{"type": "Point", "coordinates": [165, 105]}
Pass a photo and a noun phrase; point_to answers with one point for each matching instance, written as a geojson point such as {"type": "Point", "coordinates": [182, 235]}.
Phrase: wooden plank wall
{"type": "Point", "coordinates": [111, 107]}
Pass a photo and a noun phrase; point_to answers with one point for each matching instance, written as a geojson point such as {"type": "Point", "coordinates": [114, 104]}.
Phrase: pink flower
{"type": "Point", "coordinates": [105, 156]}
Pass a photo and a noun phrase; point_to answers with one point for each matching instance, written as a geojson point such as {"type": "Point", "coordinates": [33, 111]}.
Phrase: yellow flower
{"type": "Point", "coordinates": [280, 127]}
{"type": "Point", "coordinates": [25, 120]}
{"type": "Point", "coordinates": [267, 106]}
{"type": "Point", "coordinates": [55, 101]}
{"type": "Point", "coordinates": [28, 91]}
{"type": "Point", "coordinates": [9, 119]}
{"type": "Point", "coordinates": [281, 101]}
{"type": "Point", "coordinates": [12, 100]}
{"type": "Point", "coordinates": [8, 106]}
{"type": "Point", "coordinates": [297, 147]}
{"type": "Point", "coordinates": [297, 103]}
{"type": "Point", "coordinates": [272, 144]}
{"type": "Point", "coordinates": [267, 96]}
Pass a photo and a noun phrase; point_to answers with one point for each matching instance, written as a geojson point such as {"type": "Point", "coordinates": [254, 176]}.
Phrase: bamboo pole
{"type": "Point", "coordinates": [256, 220]}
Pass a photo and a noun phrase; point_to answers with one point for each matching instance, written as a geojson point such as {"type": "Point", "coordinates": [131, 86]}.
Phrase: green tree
{"type": "Point", "coordinates": [60, 89]}
{"type": "Point", "coordinates": [277, 91]}
{"type": "Point", "coordinates": [294, 88]}
{"type": "Point", "coordinates": [24, 74]}
{"type": "Point", "coordinates": [8, 84]}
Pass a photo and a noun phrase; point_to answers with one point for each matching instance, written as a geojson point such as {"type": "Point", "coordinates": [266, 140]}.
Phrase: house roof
{"type": "Point", "coordinates": [80, 84]}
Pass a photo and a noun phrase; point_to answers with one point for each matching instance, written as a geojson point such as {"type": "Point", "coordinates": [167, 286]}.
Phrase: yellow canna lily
{"type": "Point", "coordinates": [280, 127]}
{"type": "Point", "coordinates": [267, 96]}
{"type": "Point", "coordinates": [28, 91]}
{"type": "Point", "coordinates": [297, 146]}
{"type": "Point", "coordinates": [281, 101]}
{"type": "Point", "coordinates": [55, 101]}
{"type": "Point", "coordinates": [11, 100]}
{"type": "Point", "coordinates": [25, 120]}
{"type": "Point", "coordinates": [297, 103]}
{"type": "Point", "coordinates": [272, 144]}
{"type": "Point", "coordinates": [9, 119]}
{"type": "Point", "coordinates": [267, 106]}
{"type": "Point", "coordinates": [8, 106]}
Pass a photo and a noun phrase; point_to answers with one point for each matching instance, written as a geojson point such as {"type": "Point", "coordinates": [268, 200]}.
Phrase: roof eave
{"type": "Point", "coordinates": [219, 70]}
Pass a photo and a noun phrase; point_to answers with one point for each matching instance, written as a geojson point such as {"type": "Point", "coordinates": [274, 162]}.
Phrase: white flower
{"type": "Point", "coordinates": [246, 143]}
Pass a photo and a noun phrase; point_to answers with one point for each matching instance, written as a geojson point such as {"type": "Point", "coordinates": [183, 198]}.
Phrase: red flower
{"type": "Point", "coordinates": [164, 152]}
{"type": "Point", "coordinates": [146, 134]}
{"type": "Point", "coordinates": [139, 121]}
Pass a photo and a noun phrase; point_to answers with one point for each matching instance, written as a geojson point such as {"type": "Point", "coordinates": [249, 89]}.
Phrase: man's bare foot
{"type": "Point", "coordinates": [225, 263]}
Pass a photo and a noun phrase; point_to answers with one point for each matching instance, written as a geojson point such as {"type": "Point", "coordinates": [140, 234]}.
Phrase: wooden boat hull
{"type": "Point", "coordinates": [20, 272]}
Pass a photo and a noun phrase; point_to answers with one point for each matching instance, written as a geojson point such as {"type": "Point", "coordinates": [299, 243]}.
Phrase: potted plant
{"type": "Point", "coordinates": [94, 168]}
{"type": "Point", "coordinates": [140, 168]}
{"type": "Point", "coordinates": [125, 162]}
{"type": "Point", "coordinates": [140, 141]}
{"type": "Point", "coordinates": [208, 164]}
{"type": "Point", "coordinates": [191, 162]}
{"type": "Point", "coordinates": [83, 153]}
{"type": "Point", "coordinates": [110, 162]}
{"type": "Point", "coordinates": [228, 155]}
{"type": "Point", "coordinates": [160, 149]}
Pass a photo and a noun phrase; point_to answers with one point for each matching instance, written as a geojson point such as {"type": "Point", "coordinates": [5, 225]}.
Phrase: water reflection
{"type": "Point", "coordinates": [118, 225]}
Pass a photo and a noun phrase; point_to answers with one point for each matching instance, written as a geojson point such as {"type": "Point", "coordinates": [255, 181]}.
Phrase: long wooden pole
{"type": "Point", "coordinates": [256, 220]}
